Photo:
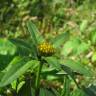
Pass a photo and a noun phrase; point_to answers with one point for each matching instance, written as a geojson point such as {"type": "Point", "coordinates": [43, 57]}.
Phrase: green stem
{"type": "Point", "coordinates": [37, 85]}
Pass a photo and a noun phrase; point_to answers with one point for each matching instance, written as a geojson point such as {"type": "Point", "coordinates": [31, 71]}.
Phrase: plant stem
{"type": "Point", "coordinates": [38, 79]}
{"type": "Point", "coordinates": [17, 82]}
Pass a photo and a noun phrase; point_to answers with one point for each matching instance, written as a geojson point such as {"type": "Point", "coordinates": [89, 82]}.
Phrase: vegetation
{"type": "Point", "coordinates": [47, 47]}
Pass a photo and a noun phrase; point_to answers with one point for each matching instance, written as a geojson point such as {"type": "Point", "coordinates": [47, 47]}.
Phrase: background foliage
{"type": "Point", "coordinates": [75, 18]}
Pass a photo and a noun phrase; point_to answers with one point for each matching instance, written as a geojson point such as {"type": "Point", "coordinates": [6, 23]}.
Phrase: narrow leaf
{"type": "Point", "coordinates": [54, 62]}
{"type": "Point", "coordinates": [19, 67]}
{"type": "Point", "coordinates": [77, 67]}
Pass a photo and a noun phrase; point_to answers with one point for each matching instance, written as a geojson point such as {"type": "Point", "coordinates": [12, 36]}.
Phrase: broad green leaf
{"type": "Point", "coordinates": [77, 67]}
{"type": "Point", "coordinates": [17, 67]}
{"type": "Point", "coordinates": [54, 62]}
{"type": "Point", "coordinates": [60, 39]}
{"type": "Point", "coordinates": [6, 47]}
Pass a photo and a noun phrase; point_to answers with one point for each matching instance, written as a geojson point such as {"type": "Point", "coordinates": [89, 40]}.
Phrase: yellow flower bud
{"type": "Point", "coordinates": [46, 49]}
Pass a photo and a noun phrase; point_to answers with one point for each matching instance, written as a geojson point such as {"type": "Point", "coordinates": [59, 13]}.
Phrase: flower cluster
{"type": "Point", "coordinates": [46, 49]}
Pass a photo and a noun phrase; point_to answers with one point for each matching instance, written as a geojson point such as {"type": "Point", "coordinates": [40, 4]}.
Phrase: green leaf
{"type": "Point", "coordinates": [60, 39]}
{"type": "Point", "coordinates": [6, 47]}
{"type": "Point", "coordinates": [94, 57]}
{"type": "Point", "coordinates": [70, 46]}
{"type": "Point", "coordinates": [90, 91]}
{"type": "Point", "coordinates": [4, 63]}
{"type": "Point", "coordinates": [66, 87]}
{"type": "Point", "coordinates": [32, 29]}
{"type": "Point", "coordinates": [75, 46]}
{"type": "Point", "coordinates": [20, 42]}
{"type": "Point", "coordinates": [77, 67]}
{"type": "Point", "coordinates": [55, 92]}
{"type": "Point", "coordinates": [83, 25]}
{"type": "Point", "coordinates": [25, 89]}
{"type": "Point", "coordinates": [30, 48]}
{"type": "Point", "coordinates": [54, 62]}
{"type": "Point", "coordinates": [1, 75]}
{"type": "Point", "coordinates": [34, 32]}
{"type": "Point", "coordinates": [46, 92]}
{"type": "Point", "coordinates": [83, 47]}
{"type": "Point", "coordinates": [78, 92]}
{"type": "Point", "coordinates": [70, 73]}
{"type": "Point", "coordinates": [93, 37]}
{"type": "Point", "coordinates": [49, 71]}
{"type": "Point", "coordinates": [17, 67]}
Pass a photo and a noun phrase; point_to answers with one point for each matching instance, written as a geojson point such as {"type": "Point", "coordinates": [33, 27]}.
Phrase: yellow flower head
{"type": "Point", "coordinates": [46, 49]}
